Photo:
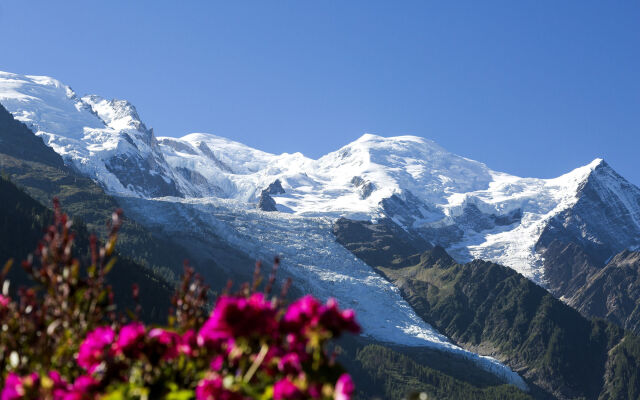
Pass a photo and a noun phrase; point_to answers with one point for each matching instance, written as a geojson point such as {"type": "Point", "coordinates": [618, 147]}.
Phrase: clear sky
{"type": "Point", "coordinates": [533, 88]}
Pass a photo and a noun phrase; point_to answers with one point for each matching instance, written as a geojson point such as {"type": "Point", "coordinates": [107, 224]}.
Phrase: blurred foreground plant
{"type": "Point", "coordinates": [62, 339]}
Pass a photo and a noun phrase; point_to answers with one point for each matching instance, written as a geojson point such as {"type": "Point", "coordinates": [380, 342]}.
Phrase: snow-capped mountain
{"type": "Point", "coordinates": [103, 139]}
{"type": "Point", "coordinates": [203, 184]}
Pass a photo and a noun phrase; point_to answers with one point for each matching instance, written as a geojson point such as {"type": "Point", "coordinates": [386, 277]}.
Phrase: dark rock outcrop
{"type": "Point", "coordinates": [365, 188]}
{"type": "Point", "coordinates": [140, 174]}
{"type": "Point", "coordinates": [379, 243]}
{"type": "Point", "coordinates": [472, 217]}
{"type": "Point", "coordinates": [275, 187]}
{"type": "Point", "coordinates": [266, 202]}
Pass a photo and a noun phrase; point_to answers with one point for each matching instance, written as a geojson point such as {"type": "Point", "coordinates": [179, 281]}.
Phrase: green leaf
{"type": "Point", "coordinates": [115, 395]}
{"type": "Point", "coordinates": [180, 395]}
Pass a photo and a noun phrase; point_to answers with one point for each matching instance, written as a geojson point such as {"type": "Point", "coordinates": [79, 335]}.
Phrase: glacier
{"type": "Point", "coordinates": [209, 184]}
{"type": "Point", "coordinates": [314, 261]}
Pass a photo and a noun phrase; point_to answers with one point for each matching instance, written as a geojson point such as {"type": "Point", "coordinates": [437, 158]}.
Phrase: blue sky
{"type": "Point", "coordinates": [531, 88]}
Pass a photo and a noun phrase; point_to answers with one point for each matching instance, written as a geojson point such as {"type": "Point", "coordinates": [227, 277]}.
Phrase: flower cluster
{"type": "Point", "coordinates": [251, 345]}
{"type": "Point", "coordinates": [51, 386]}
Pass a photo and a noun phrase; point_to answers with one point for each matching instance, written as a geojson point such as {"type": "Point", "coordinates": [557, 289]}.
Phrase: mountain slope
{"type": "Point", "coordinates": [27, 161]}
{"type": "Point", "coordinates": [493, 310]}
{"type": "Point", "coordinates": [613, 292]}
{"type": "Point", "coordinates": [396, 374]}
{"type": "Point", "coordinates": [22, 223]}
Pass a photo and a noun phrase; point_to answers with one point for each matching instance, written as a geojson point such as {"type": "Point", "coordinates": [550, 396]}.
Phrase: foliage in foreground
{"type": "Point", "coordinates": [63, 338]}
{"type": "Point", "coordinates": [398, 374]}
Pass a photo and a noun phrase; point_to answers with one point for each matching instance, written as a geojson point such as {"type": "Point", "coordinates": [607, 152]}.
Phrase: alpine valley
{"type": "Point", "coordinates": [468, 282]}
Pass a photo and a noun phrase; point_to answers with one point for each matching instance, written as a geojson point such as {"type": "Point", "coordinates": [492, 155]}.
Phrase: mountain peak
{"type": "Point", "coordinates": [597, 163]}
{"type": "Point", "coordinates": [117, 114]}
{"type": "Point", "coordinates": [401, 140]}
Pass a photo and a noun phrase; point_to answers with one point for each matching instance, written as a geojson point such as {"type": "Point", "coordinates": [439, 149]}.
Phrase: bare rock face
{"type": "Point", "coordinates": [365, 188]}
{"type": "Point", "coordinates": [266, 202]}
{"type": "Point", "coordinates": [604, 221]}
{"type": "Point", "coordinates": [613, 292]}
{"type": "Point", "coordinates": [275, 187]}
{"type": "Point", "coordinates": [380, 243]}
{"type": "Point", "coordinates": [567, 267]}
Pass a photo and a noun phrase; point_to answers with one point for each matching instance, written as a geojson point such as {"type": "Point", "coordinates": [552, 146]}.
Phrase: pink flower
{"type": "Point", "coordinates": [307, 313]}
{"type": "Point", "coordinates": [92, 350]}
{"type": "Point", "coordinates": [12, 387]}
{"type": "Point", "coordinates": [217, 363]}
{"type": "Point", "coordinates": [344, 388]}
{"type": "Point", "coordinates": [315, 390]}
{"type": "Point", "coordinates": [337, 321]}
{"type": "Point", "coordinates": [285, 389]}
{"type": "Point", "coordinates": [167, 340]}
{"type": "Point", "coordinates": [60, 386]}
{"type": "Point", "coordinates": [84, 383]}
{"type": "Point", "coordinates": [83, 388]}
{"type": "Point", "coordinates": [235, 317]}
{"type": "Point", "coordinates": [301, 313]}
{"type": "Point", "coordinates": [57, 379]}
{"type": "Point", "coordinates": [4, 301]}
{"type": "Point", "coordinates": [212, 389]}
{"type": "Point", "coordinates": [296, 343]}
{"type": "Point", "coordinates": [16, 387]}
{"type": "Point", "coordinates": [187, 342]}
{"type": "Point", "coordinates": [290, 364]}
{"type": "Point", "coordinates": [130, 339]}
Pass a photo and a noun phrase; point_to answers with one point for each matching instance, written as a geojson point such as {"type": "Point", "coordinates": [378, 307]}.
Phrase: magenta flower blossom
{"type": "Point", "coordinates": [13, 389]}
{"type": "Point", "coordinates": [302, 313]}
{"type": "Point", "coordinates": [337, 321]}
{"type": "Point", "coordinates": [344, 388]}
{"type": "Point", "coordinates": [15, 386]}
{"type": "Point", "coordinates": [167, 340]}
{"type": "Point", "coordinates": [290, 364]}
{"type": "Point", "coordinates": [187, 343]}
{"type": "Point", "coordinates": [60, 386]}
{"type": "Point", "coordinates": [239, 317]}
{"type": "Point", "coordinates": [217, 363]}
{"type": "Point", "coordinates": [82, 388]}
{"type": "Point", "coordinates": [58, 380]}
{"type": "Point", "coordinates": [297, 343]}
{"type": "Point", "coordinates": [315, 390]}
{"type": "Point", "coordinates": [4, 301]}
{"type": "Point", "coordinates": [213, 389]}
{"type": "Point", "coordinates": [84, 383]}
{"type": "Point", "coordinates": [284, 389]}
{"type": "Point", "coordinates": [308, 313]}
{"type": "Point", "coordinates": [92, 350]}
{"type": "Point", "coordinates": [130, 339]}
